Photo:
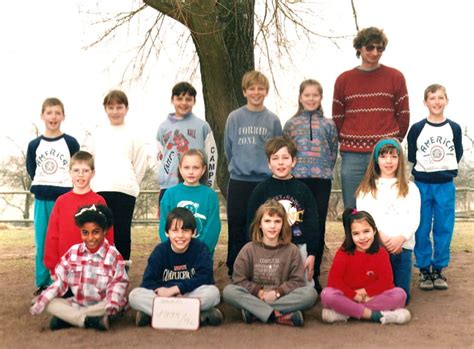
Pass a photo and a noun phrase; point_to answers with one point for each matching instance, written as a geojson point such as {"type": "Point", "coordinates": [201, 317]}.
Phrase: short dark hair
{"type": "Point", "coordinates": [183, 215]}
{"type": "Point", "coordinates": [51, 102]}
{"type": "Point", "coordinates": [276, 143]}
{"type": "Point", "coordinates": [432, 89]}
{"type": "Point", "coordinates": [367, 36]}
{"type": "Point", "coordinates": [116, 96]}
{"type": "Point", "coordinates": [348, 217]}
{"type": "Point", "coordinates": [183, 88]}
{"type": "Point", "coordinates": [82, 156]}
{"type": "Point", "coordinates": [98, 214]}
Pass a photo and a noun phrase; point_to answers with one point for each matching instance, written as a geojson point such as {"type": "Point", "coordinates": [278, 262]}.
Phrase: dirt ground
{"type": "Point", "coordinates": [440, 319]}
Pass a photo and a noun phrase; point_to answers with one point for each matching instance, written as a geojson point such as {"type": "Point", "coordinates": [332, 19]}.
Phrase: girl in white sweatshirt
{"type": "Point", "coordinates": [394, 202]}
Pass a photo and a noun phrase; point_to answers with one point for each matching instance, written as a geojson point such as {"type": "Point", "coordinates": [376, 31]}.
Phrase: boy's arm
{"type": "Point", "coordinates": [31, 159]}
{"type": "Point", "coordinates": [310, 224]}
{"type": "Point", "coordinates": [457, 138]}
{"type": "Point", "coordinates": [277, 130]}
{"type": "Point", "coordinates": [117, 288]}
{"type": "Point", "coordinates": [402, 107]}
{"type": "Point", "coordinates": [72, 144]}
{"type": "Point", "coordinates": [51, 248]}
{"type": "Point", "coordinates": [338, 106]}
{"type": "Point", "coordinates": [228, 139]}
{"type": "Point", "coordinates": [411, 140]}
{"type": "Point", "coordinates": [210, 149]}
{"type": "Point", "coordinates": [152, 277]}
{"type": "Point", "coordinates": [139, 160]}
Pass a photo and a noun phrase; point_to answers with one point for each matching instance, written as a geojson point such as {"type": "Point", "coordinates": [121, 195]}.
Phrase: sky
{"type": "Point", "coordinates": [42, 55]}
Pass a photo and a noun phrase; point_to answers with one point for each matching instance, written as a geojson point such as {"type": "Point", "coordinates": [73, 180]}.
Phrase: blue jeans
{"type": "Point", "coordinates": [401, 266]}
{"type": "Point", "coordinates": [353, 169]}
{"type": "Point", "coordinates": [437, 214]}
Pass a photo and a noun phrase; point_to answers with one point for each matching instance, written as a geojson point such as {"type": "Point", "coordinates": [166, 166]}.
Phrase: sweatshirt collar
{"type": "Point", "coordinates": [172, 117]}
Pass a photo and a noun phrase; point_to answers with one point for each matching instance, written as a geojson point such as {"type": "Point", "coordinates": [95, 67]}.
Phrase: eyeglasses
{"type": "Point", "coordinates": [370, 48]}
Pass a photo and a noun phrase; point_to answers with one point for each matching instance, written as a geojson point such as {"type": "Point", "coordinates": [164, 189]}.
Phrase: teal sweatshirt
{"type": "Point", "coordinates": [202, 201]}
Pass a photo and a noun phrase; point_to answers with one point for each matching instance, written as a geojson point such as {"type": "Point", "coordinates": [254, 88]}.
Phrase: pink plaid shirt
{"type": "Point", "coordinates": [92, 278]}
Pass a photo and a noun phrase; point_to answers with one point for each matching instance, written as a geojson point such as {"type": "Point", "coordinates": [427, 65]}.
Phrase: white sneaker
{"type": "Point", "coordinates": [397, 316]}
{"type": "Point", "coordinates": [331, 316]}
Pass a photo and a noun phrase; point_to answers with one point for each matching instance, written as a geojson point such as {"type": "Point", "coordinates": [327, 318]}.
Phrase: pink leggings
{"type": "Point", "coordinates": [335, 299]}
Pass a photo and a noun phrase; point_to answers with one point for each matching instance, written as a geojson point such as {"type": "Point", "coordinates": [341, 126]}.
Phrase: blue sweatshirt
{"type": "Point", "coordinates": [435, 150]}
{"type": "Point", "coordinates": [188, 270]}
{"type": "Point", "coordinates": [202, 201]}
{"type": "Point", "coordinates": [245, 135]}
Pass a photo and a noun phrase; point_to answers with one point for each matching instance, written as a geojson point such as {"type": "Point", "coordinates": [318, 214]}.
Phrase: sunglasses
{"type": "Point", "coordinates": [370, 48]}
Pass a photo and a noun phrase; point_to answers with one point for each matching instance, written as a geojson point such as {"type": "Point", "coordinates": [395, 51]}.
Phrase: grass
{"type": "Point", "coordinates": [18, 243]}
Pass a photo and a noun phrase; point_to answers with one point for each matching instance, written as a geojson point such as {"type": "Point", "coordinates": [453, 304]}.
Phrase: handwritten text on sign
{"type": "Point", "coordinates": [175, 313]}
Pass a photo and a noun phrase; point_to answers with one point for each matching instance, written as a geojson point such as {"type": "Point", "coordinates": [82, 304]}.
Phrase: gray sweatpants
{"type": "Point", "coordinates": [142, 298]}
{"type": "Point", "coordinates": [299, 299]}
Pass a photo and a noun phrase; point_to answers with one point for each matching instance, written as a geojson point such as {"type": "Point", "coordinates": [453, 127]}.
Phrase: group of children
{"type": "Point", "coordinates": [277, 203]}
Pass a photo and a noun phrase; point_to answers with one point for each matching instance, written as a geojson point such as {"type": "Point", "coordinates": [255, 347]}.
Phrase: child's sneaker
{"type": "Point", "coordinates": [213, 317]}
{"type": "Point", "coordinates": [142, 319]}
{"type": "Point", "coordinates": [247, 316]}
{"type": "Point", "coordinates": [397, 316]}
{"type": "Point", "coordinates": [100, 323]}
{"type": "Point", "coordinates": [291, 319]}
{"type": "Point", "coordinates": [58, 324]}
{"type": "Point", "coordinates": [439, 280]}
{"type": "Point", "coordinates": [330, 316]}
{"type": "Point", "coordinates": [426, 282]}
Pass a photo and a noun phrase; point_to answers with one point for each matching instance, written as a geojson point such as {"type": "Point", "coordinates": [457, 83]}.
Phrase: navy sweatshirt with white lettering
{"type": "Point", "coordinates": [435, 150]}
{"type": "Point", "coordinates": [188, 270]}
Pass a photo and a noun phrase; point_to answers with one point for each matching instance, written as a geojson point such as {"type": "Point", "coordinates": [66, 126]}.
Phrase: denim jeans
{"type": "Point", "coordinates": [437, 214]}
{"type": "Point", "coordinates": [353, 169]}
{"type": "Point", "coordinates": [401, 266]}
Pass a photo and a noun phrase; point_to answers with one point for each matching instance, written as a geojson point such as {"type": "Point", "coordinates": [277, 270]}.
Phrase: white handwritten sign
{"type": "Point", "coordinates": [175, 313]}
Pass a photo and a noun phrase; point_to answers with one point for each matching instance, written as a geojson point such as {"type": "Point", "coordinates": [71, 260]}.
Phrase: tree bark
{"type": "Point", "coordinates": [222, 32]}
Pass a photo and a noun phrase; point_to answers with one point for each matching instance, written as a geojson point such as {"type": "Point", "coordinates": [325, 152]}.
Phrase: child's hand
{"type": "Point", "coordinates": [269, 296]}
{"type": "Point", "coordinates": [394, 244]}
{"type": "Point", "coordinates": [361, 295]}
{"type": "Point", "coordinates": [111, 310]}
{"type": "Point", "coordinates": [167, 291]}
{"type": "Point", "coordinates": [309, 267]}
{"type": "Point", "coordinates": [36, 309]}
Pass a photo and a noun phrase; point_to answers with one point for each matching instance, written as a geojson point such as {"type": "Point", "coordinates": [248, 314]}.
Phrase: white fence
{"type": "Point", "coordinates": [146, 206]}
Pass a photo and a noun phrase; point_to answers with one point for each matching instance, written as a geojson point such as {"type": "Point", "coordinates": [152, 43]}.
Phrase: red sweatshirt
{"type": "Point", "coordinates": [62, 232]}
{"type": "Point", "coordinates": [368, 106]}
{"type": "Point", "coordinates": [361, 270]}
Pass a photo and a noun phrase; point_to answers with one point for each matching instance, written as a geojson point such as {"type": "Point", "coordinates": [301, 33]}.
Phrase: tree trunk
{"type": "Point", "coordinates": [222, 32]}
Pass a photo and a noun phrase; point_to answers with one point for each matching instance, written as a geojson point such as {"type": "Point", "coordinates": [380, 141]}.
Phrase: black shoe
{"type": "Point", "coordinates": [142, 319]}
{"type": "Point", "coordinates": [247, 316]}
{"type": "Point", "coordinates": [317, 286]}
{"type": "Point", "coordinates": [213, 317]}
{"type": "Point", "coordinates": [425, 281]}
{"type": "Point", "coordinates": [100, 323]}
{"type": "Point", "coordinates": [40, 289]}
{"type": "Point", "coordinates": [58, 324]}
{"type": "Point", "coordinates": [439, 280]}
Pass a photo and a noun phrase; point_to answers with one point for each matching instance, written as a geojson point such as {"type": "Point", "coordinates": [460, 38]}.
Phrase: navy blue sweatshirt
{"type": "Point", "coordinates": [188, 270]}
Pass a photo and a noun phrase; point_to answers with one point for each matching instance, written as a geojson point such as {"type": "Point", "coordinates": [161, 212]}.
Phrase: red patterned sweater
{"type": "Point", "coordinates": [368, 106]}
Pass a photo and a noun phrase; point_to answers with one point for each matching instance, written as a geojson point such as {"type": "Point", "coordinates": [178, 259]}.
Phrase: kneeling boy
{"type": "Point", "coordinates": [181, 266]}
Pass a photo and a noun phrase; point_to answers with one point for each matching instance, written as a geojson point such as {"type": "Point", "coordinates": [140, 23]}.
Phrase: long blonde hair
{"type": "Point", "coordinates": [271, 207]}
{"type": "Point", "coordinates": [368, 184]}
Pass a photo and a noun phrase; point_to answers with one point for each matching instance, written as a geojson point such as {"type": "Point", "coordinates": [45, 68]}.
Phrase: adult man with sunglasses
{"type": "Point", "coordinates": [370, 103]}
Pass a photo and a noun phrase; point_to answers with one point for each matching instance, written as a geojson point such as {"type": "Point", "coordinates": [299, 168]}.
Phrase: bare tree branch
{"type": "Point", "coordinates": [354, 13]}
